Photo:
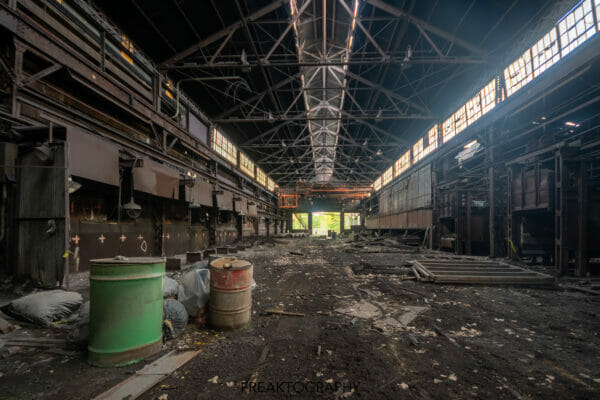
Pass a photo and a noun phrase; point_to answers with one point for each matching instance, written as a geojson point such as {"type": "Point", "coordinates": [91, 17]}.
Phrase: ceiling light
{"type": "Point", "coordinates": [574, 124]}
{"type": "Point", "coordinates": [379, 152]}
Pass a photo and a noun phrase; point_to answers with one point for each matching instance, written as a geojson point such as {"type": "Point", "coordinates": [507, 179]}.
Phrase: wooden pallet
{"type": "Point", "coordinates": [478, 272]}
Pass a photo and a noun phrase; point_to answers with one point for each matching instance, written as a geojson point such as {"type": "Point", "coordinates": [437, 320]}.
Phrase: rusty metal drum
{"type": "Point", "coordinates": [230, 303]}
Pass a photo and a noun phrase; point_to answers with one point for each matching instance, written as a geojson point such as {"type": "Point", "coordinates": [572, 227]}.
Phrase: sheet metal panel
{"type": "Point", "coordinates": [241, 206]}
{"type": "Point", "coordinates": [157, 179]}
{"type": "Point", "coordinates": [92, 157]}
{"type": "Point", "coordinates": [197, 129]}
{"type": "Point", "coordinates": [227, 201]}
{"type": "Point", "coordinates": [201, 193]}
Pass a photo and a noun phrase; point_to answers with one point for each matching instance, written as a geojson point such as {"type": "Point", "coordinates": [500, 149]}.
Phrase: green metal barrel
{"type": "Point", "coordinates": [126, 310]}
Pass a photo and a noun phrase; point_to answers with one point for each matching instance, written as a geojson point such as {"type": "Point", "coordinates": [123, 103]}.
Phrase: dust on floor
{"type": "Point", "coordinates": [363, 335]}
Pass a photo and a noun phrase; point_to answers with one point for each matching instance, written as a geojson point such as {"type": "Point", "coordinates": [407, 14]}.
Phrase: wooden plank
{"type": "Point", "coordinates": [281, 312]}
{"type": "Point", "coordinates": [144, 379]}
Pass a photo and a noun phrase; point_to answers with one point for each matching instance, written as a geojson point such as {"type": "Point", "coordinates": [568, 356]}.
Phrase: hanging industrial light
{"type": "Point", "coordinates": [132, 209]}
{"type": "Point", "coordinates": [73, 186]}
{"type": "Point", "coordinates": [43, 153]}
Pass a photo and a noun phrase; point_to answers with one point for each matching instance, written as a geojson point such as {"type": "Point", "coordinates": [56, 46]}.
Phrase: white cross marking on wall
{"type": "Point", "coordinates": [101, 239]}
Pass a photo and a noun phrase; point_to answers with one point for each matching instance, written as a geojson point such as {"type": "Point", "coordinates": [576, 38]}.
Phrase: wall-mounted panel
{"type": "Point", "coordinates": [157, 179]}
{"type": "Point", "coordinates": [92, 157]}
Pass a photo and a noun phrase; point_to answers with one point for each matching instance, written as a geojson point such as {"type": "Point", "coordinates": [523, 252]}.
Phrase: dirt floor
{"type": "Point", "coordinates": [363, 335]}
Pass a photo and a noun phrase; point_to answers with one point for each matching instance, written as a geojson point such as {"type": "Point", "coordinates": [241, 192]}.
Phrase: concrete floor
{"type": "Point", "coordinates": [371, 336]}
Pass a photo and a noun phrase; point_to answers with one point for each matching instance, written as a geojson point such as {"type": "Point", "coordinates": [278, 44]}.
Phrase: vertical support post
{"type": "Point", "coordinates": [310, 222]}
{"type": "Point", "coordinates": [509, 214]}
{"type": "Point", "coordinates": [468, 224]}
{"type": "Point", "coordinates": [19, 50]}
{"type": "Point", "coordinates": [435, 231]}
{"type": "Point", "coordinates": [156, 87]}
{"type": "Point", "coordinates": [582, 220]}
{"type": "Point", "coordinates": [342, 227]}
{"type": "Point", "coordinates": [162, 226]}
{"type": "Point", "coordinates": [457, 222]}
{"type": "Point", "coordinates": [491, 195]}
{"type": "Point", "coordinates": [561, 258]}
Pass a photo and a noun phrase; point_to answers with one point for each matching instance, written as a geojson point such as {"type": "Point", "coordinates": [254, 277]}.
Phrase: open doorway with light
{"type": "Point", "coordinates": [323, 222]}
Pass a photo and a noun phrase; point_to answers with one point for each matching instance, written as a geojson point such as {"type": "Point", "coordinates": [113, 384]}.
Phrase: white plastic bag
{"type": "Point", "coordinates": [194, 290]}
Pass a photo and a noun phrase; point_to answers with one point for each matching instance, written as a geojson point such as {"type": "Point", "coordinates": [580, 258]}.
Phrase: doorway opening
{"type": "Point", "coordinates": [323, 222]}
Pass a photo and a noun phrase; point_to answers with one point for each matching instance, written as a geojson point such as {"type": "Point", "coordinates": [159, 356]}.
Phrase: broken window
{"type": "Point", "coordinates": [418, 150]}
{"type": "Point", "coordinates": [488, 97]}
{"type": "Point", "coordinates": [377, 184]}
{"type": "Point", "coordinates": [402, 164]}
{"type": "Point", "coordinates": [460, 120]}
{"type": "Point", "coordinates": [128, 46]}
{"type": "Point", "coordinates": [474, 108]}
{"type": "Point", "coordinates": [246, 165]}
{"type": "Point", "coordinates": [261, 177]}
{"type": "Point", "coordinates": [270, 184]}
{"type": "Point", "coordinates": [448, 131]}
{"type": "Point", "coordinates": [518, 74]}
{"type": "Point", "coordinates": [387, 176]}
{"type": "Point", "coordinates": [223, 147]}
{"type": "Point", "coordinates": [576, 27]}
{"type": "Point", "coordinates": [545, 52]}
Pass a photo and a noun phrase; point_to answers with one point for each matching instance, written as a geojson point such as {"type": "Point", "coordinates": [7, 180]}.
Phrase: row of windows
{"type": "Point", "coordinates": [578, 25]}
{"type": "Point", "coordinates": [223, 147]}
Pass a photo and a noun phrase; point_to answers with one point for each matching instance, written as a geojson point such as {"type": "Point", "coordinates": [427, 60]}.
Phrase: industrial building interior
{"type": "Point", "coordinates": [374, 199]}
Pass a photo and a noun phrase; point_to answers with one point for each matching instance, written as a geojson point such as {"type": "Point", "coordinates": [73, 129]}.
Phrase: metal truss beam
{"type": "Point", "coordinates": [223, 32]}
{"type": "Point", "coordinates": [426, 26]}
